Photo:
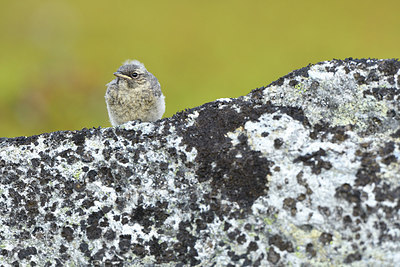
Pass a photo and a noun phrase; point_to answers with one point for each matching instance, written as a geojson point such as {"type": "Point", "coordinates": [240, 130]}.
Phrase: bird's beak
{"type": "Point", "coordinates": [123, 76]}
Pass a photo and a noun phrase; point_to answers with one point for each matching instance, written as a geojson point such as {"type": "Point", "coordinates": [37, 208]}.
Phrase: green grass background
{"type": "Point", "coordinates": [56, 56]}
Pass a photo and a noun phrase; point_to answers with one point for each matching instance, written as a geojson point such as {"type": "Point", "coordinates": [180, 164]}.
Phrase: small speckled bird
{"type": "Point", "coordinates": [135, 94]}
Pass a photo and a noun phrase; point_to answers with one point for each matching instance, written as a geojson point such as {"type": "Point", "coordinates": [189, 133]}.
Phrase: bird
{"type": "Point", "coordinates": [134, 94]}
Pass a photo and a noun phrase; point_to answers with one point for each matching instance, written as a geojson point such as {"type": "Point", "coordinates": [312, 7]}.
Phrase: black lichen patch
{"type": "Point", "coordinates": [396, 134]}
{"type": "Point", "coordinates": [385, 192]}
{"type": "Point", "coordinates": [252, 246]}
{"type": "Point", "coordinates": [273, 257]}
{"type": "Point", "coordinates": [110, 235]}
{"type": "Point", "coordinates": [389, 67]}
{"type": "Point", "coordinates": [290, 205]}
{"type": "Point", "coordinates": [373, 76]}
{"type": "Point", "coordinates": [303, 72]}
{"type": "Point", "coordinates": [325, 238]}
{"type": "Point", "coordinates": [184, 248]}
{"type": "Point", "coordinates": [94, 224]}
{"type": "Point", "coordinates": [258, 93]}
{"type": "Point", "coordinates": [150, 216]}
{"type": "Point", "coordinates": [311, 250]}
{"type": "Point", "coordinates": [93, 232]}
{"type": "Point", "coordinates": [367, 173]}
{"type": "Point", "coordinates": [296, 114]}
{"type": "Point", "coordinates": [349, 64]}
{"type": "Point", "coordinates": [79, 138]}
{"type": "Point", "coordinates": [374, 125]}
{"type": "Point", "coordinates": [398, 81]}
{"type": "Point", "coordinates": [345, 191]}
{"type": "Point", "coordinates": [27, 252]}
{"type": "Point", "coordinates": [69, 156]}
{"type": "Point", "coordinates": [278, 142]}
{"type": "Point", "coordinates": [293, 83]}
{"type": "Point", "coordinates": [359, 78]}
{"type": "Point", "coordinates": [325, 132]}
{"type": "Point", "coordinates": [386, 153]}
{"type": "Point", "coordinates": [383, 93]}
{"type": "Point", "coordinates": [387, 149]}
{"type": "Point", "coordinates": [324, 210]}
{"type": "Point", "coordinates": [131, 135]}
{"type": "Point", "coordinates": [315, 161]}
{"type": "Point", "coordinates": [139, 250]}
{"type": "Point", "coordinates": [67, 233]}
{"type": "Point", "coordinates": [389, 159]}
{"type": "Point", "coordinates": [22, 140]}
{"type": "Point", "coordinates": [352, 195]}
{"type": "Point", "coordinates": [278, 241]}
{"type": "Point", "coordinates": [125, 243]}
{"type": "Point", "coordinates": [331, 69]}
{"type": "Point", "coordinates": [238, 172]}
{"type": "Point", "coordinates": [356, 256]}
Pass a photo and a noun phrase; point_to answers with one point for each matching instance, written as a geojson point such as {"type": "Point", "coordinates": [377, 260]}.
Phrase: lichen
{"type": "Point", "coordinates": [301, 172]}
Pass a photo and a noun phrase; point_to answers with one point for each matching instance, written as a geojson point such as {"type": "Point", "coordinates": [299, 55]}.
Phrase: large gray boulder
{"type": "Point", "coordinates": [303, 171]}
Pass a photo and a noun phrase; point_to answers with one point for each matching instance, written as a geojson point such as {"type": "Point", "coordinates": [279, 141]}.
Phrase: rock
{"type": "Point", "coordinates": [303, 171]}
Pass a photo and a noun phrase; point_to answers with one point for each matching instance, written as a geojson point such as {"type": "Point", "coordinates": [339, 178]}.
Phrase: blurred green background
{"type": "Point", "coordinates": [56, 56]}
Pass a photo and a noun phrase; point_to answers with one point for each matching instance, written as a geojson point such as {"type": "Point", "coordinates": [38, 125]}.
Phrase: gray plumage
{"type": "Point", "coordinates": [135, 94]}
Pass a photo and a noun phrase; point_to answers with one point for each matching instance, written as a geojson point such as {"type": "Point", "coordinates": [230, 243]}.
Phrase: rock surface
{"type": "Point", "coordinates": [303, 171]}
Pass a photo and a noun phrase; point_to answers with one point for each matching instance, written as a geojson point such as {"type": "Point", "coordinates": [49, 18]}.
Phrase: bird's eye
{"type": "Point", "coordinates": [134, 75]}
